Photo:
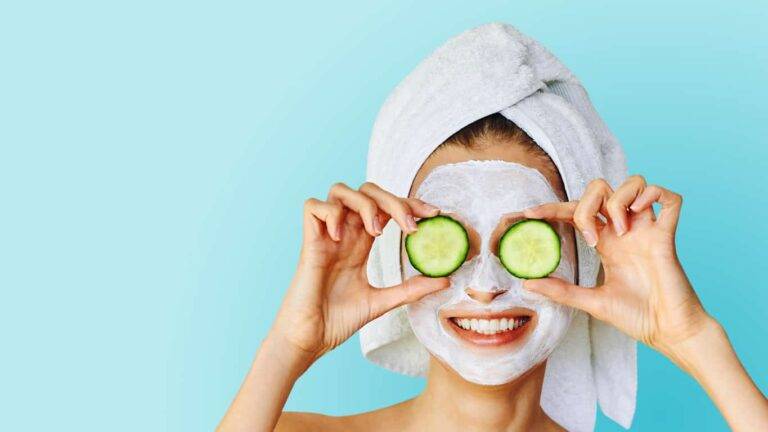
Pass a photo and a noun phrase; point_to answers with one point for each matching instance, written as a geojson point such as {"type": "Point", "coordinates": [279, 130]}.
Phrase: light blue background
{"type": "Point", "coordinates": [154, 158]}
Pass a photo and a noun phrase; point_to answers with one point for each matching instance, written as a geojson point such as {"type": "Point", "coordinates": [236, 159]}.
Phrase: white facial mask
{"type": "Point", "coordinates": [481, 192]}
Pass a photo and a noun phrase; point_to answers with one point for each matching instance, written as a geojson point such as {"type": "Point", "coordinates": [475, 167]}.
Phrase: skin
{"type": "Point", "coordinates": [642, 290]}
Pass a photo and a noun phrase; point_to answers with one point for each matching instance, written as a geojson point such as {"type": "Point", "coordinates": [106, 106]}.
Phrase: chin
{"type": "Point", "coordinates": [490, 381]}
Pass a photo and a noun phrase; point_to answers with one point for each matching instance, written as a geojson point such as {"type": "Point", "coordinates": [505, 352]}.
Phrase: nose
{"type": "Point", "coordinates": [484, 297]}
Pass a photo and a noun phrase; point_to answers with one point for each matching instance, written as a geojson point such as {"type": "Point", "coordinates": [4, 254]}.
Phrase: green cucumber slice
{"type": "Point", "coordinates": [530, 249]}
{"type": "Point", "coordinates": [438, 247]}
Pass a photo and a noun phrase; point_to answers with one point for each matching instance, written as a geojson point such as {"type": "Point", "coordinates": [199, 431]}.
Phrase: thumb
{"type": "Point", "coordinates": [411, 290]}
{"type": "Point", "coordinates": [563, 292]}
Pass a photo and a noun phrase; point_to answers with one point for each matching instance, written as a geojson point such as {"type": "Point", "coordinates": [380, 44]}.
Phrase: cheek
{"type": "Point", "coordinates": [424, 314]}
{"type": "Point", "coordinates": [430, 305]}
{"type": "Point", "coordinates": [555, 320]}
{"type": "Point", "coordinates": [424, 319]}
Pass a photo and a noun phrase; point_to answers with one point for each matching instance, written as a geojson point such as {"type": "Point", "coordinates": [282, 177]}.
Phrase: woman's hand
{"type": "Point", "coordinates": [645, 292]}
{"type": "Point", "coordinates": [330, 298]}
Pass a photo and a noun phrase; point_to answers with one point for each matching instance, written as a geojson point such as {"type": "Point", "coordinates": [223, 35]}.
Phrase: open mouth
{"type": "Point", "coordinates": [496, 329]}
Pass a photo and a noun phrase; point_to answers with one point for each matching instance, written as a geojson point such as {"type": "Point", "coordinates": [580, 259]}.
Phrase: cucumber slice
{"type": "Point", "coordinates": [530, 249]}
{"type": "Point", "coordinates": [438, 247]}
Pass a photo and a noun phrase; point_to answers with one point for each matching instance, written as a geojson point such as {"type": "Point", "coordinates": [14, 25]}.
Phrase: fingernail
{"type": "Point", "coordinates": [338, 232]}
{"type": "Point", "coordinates": [634, 207]}
{"type": "Point", "coordinates": [376, 225]}
{"type": "Point", "coordinates": [590, 237]}
{"type": "Point", "coordinates": [432, 209]}
{"type": "Point", "coordinates": [620, 228]}
{"type": "Point", "coordinates": [410, 222]}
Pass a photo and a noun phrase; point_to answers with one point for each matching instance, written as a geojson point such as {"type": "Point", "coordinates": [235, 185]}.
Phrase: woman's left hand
{"type": "Point", "coordinates": [645, 292]}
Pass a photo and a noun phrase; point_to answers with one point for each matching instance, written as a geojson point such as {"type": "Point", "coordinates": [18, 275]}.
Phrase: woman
{"type": "Point", "coordinates": [491, 129]}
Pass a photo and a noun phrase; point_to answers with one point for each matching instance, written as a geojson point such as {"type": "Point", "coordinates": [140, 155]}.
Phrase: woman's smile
{"type": "Point", "coordinates": [506, 328]}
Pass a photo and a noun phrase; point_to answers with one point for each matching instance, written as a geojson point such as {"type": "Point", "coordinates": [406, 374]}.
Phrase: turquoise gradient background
{"type": "Point", "coordinates": [154, 158]}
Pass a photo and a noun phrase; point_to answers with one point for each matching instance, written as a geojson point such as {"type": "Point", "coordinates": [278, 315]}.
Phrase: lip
{"type": "Point", "coordinates": [508, 340]}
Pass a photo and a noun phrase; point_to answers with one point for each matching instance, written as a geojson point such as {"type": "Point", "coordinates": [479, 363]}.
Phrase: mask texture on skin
{"type": "Point", "coordinates": [481, 192]}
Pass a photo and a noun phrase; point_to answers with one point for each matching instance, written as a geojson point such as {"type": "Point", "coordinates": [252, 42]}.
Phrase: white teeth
{"type": "Point", "coordinates": [483, 327]}
{"type": "Point", "coordinates": [489, 327]}
{"type": "Point", "coordinates": [494, 325]}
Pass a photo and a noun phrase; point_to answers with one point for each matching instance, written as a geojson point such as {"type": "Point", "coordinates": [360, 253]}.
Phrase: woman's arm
{"type": "Point", "coordinates": [329, 297]}
{"type": "Point", "coordinates": [710, 359]}
{"type": "Point", "coordinates": [266, 387]}
{"type": "Point", "coordinates": [645, 292]}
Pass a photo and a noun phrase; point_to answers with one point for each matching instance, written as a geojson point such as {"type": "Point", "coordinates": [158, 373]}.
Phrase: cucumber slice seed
{"type": "Point", "coordinates": [438, 247]}
{"type": "Point", "coordinates": [530, 249]}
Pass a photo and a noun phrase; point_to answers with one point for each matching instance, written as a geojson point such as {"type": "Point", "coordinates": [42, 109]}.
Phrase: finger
{"type": "Point", "coordinates": [556, 211]}
{"type": "Point", "coordinates": [560, 212]}
{"type": "Point", "coordinates": [394, 206]}
{"type": "Point", "coordinates": [358, 202]}
{"type": "Point", "coordinates": [671, 204]}
{"type": "Point", "coordinates": [331, 214]}
{"type": "Point", "coordinates": [621, 199]}
{"type": "Point", "coordinates": [411, 290]}
{"type": "Point", "coordinates": [382, 219]}
{"type": "Point", "coordinates": [421, 209]}
{"type": "Point", "coordinates": [563, 292]}
{"type": "Point", "coordinates": [592, 204]}
{"type": "Point", "coordinates": [646, 215]}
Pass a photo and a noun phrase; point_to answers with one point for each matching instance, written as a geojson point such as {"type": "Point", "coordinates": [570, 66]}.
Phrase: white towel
{"type": "Point", "coordinates": [496, 69]}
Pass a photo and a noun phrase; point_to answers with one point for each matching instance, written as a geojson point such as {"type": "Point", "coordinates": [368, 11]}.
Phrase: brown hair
{"type": "Point", "coordinates": [496, 127]}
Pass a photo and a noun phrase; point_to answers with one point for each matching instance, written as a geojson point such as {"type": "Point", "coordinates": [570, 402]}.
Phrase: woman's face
{"type": "Point", "coordinates": [485, 326]}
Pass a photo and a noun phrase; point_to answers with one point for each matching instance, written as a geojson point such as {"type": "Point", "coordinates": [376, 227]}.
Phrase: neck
{"type": "Point", "coordinates": [450, 402]}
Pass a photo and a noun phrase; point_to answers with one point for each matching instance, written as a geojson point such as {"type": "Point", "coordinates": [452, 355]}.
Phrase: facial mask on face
{"type": "Point", "coordinates": [481, 192]}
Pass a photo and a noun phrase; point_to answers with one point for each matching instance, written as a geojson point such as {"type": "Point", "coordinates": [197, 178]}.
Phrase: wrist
{"type": "Point", "coordinates": [690, 354]}
{"type": "Point", "coordinates": [278, 350]}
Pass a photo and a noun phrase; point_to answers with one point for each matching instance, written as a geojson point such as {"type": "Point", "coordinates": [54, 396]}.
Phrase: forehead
{"type": "Point", "coordinates": [483, 191]}
{"type": "Point", "coordinates": [491, 150]}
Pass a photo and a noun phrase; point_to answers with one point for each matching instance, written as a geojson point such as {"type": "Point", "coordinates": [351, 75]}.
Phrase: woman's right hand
{"type": "Point", "coordinates": [330, 297]}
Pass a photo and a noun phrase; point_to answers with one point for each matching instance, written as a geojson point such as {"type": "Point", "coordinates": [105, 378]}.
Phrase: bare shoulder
{"type": "Point", "coordinates": [389, 418]}
{"type": "Point", "coordinates": [300, 421]}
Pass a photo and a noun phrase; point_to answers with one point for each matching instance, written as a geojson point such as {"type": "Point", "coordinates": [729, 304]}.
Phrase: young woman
{"type": "Point", "coordinates": [644, 292]}
{"type": "Point", "coordinates": [641, 290]}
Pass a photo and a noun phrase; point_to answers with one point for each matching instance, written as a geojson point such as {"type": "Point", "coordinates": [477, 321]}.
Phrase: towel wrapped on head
{"type": "Point", "coordinates": [491, 69]}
